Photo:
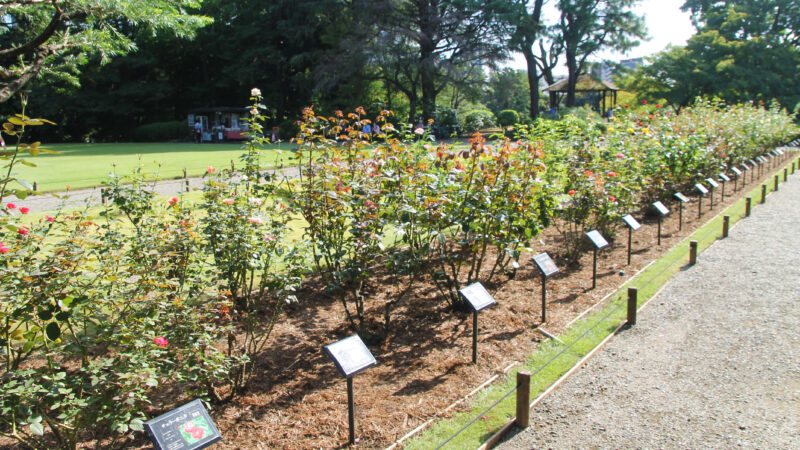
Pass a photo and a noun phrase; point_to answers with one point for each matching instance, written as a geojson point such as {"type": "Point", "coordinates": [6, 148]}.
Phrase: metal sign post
{"type": "Point", "coordinates": [736, 174]}
{"type": "Point", "coordinates": [713, 183]}
{"type": "Point", "coordinates": [632, 225]}
{"type": "Point", "coordinates": [681, 200]}
{"type": "Point", "coordinates": [546, 267]}
{"type": "Point", "coordinates": [351, 356]}
{"type": "Point", "coordinates": [703, 191]}
{"type": "Point", "coordinates": [662, 211]}
{"type": "Point", "coordinates": [478, 298]}
{"type": "Point", "coordinates": [724, 179]}
{"type": "Point", "coordinates": [599, 242]}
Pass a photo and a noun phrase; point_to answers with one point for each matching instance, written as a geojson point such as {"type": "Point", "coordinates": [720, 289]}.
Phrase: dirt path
{"type": "Point", "coordinates": [91, 197]}
{"type": "Point", "coordinates": [714, 361]}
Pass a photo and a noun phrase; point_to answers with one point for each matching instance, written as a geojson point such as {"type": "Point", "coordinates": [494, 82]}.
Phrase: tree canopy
{"type": "Point", "coordinates": [56, 37]}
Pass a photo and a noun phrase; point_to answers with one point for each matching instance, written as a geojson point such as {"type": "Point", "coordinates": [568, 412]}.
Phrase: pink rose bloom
{"type": "Point", "coordinates": [269, 238]}
{"type": "Point", "coordinates": [50, 219]}
{"type": "Point", "coordinates": [24, 210]}
{"type": "Point", "coordinates": [161, 342]}
{"type": "Point", "coordinates": [3, 249]}
{"type": "Point", "coordinates": [22, 231]}
{"type": "Point", "coordinates": [644, 102]}
{"type": "Point", "coordinates": [256, 220]}
{"type": "Point", "coordinates": [612, 198]}
{"type": "Point", "coordinates": [612, 174]}
{"type": "Point", "coordinates": [211, 169]}
{"type": "Point", "coordinates": [620, 156]}
{"type": "Point", "coordinates": [571, 192]}
{"type": "Point", "coordinates": [588, 173]}
{"type": "Point", "coordinates": [228, 201]}
{"type": "Point", "coordinates": [172, 201]}
{"type": "Point", "coordinates": [419, 131]}
{"type": "Point", "coordinates": [11, 206]}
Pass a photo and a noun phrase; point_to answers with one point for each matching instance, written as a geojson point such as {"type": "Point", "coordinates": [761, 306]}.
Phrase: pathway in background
{"type": "Point", "coordinates": [713, 362]}
{"type": "Point", "coordinates": [91, 197]}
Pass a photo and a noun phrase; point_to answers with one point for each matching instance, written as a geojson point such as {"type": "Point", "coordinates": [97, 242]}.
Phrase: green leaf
{"type": "Point", "coordinates": [53, 331]}
{"type": "Point", "coordinates": [27, 163]}
{"type": "Point", "coordinates": [37, 429]}
{"type": "Point", "coordinates": [136, 425]}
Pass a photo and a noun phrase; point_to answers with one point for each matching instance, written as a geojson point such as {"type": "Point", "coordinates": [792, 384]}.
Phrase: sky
{"type": "Point", "coordinates": [666, 24]}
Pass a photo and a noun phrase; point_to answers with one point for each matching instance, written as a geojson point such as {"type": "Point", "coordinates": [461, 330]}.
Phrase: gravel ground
{"type": "Point", "coordinates": [714, 361]}
{"type": "Point", "coordinates": [91, 197]}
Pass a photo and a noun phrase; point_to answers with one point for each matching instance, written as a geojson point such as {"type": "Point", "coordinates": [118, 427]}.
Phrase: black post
{"type": "Point", "coordinates": [659, 229]}
{"type": "Point", "coordinates": [735, 182]}
{"type": "Point", "coordinates": [712, 197]}
{"type": "Point", "coordinates": [752, 169]}
{"type": "Point", "coordinates": [700, 205]}
{"type": "Point", "coordinates": [785, 174]}
{"type": "Point", "coordinates": [680, 216]}
{"type": "Point", "coordinates": [723, 191]}
{"type": "Point", "coordinates": [35, 186]}
{"type": "Point", "coordinates": [777, 179]}
{"type": "Point", "coordinates": [351, 411]}
{"type": "Point", "coordinates": [630, 235]}
{"type": "Point", "coordinates": [544, 298]}
{"type": "Point", "coordinates": [474, 337]}
{"type": "Point", "coordinates": [632, 304]}
{"type": "Point", "coordinates": [523, 398]}
{"type": "Point", "coordinates": [726, 221]}
{"type": "Point", "coordinates": [594, 269]}
{"type": "Point", "coordinates": [692, 253]}
{"type": "Point", "coordinates": [763, 193]}
{"type": "Point", "coordinates": [747, 203]}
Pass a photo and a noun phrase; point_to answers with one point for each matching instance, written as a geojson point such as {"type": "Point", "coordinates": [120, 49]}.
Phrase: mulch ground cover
{"type": "Point", "coordinates": [299, 400]}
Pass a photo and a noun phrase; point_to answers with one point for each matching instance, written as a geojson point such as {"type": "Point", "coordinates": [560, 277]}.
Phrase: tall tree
{"type": "Point", "coordinates": [433, 42]}
{"type": "Point", "coordinates": [588, 26]}
{"type": "Point", "coordinates": [57, 37]}
{"type": "Point", "coordinates": [744, 50]}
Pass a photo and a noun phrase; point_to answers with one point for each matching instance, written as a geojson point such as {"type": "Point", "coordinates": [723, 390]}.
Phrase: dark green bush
{"type": "Point", "coordinates": [508, 117]}
{"type": "Point", "coordinates": [162, 131]}
{"type": "Point", "coordinates": [478, 119]}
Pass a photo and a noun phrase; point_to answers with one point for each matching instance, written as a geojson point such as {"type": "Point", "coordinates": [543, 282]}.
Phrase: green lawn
{"type": "Point", "coordinates": [88, 165]}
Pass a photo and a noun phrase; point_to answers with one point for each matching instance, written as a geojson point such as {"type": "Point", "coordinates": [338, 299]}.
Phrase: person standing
{"type": "Point", "coordinates": [198, 131]}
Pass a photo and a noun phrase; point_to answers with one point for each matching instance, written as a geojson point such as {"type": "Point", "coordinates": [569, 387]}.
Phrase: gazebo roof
{"type": "Point", "coordinates": [586, 83]}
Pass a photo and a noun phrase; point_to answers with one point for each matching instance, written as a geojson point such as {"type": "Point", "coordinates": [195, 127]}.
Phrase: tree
{"type": "Point", "coordinates": [506, 90]}
{"type": "Point", "coordinates": [588, 26]}
{"type": "Point", "coordinates": [744, 50]}
{"type": "Point", "coordinates": [57, 37]}
{"type": "Point", "coordinates": [421, 46]}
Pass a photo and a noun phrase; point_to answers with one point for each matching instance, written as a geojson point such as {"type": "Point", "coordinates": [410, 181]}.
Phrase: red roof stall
{"type": "Point", "coordinates": [221, 123]}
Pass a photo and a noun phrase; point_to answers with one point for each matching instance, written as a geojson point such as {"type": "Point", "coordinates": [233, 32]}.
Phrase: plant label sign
{"type": "Point", "coordinates": [736, 170]}
{"type": "Point", "coordinates": [477, 297]}
{"type": "Point", "coordinates": [681, 197]}
{"type": "Point", "coordinates": [701, 188]}
{"type": "Point", "coordinates": [724, 177]}
{"type": "Point", "coordinates": [752, 163]}
{"type": "Point", "coordinates": [188, 427]}
{"type": "Point", "coordinates": [780, 152]}
{"type": "Point", "coordinates": [663, 210]}
{"type": "Point", "coordinates": [631, 222]}
{"type": "Point", "coordinates": [597, 239]}
{"type": "Point", "coordinates": [545, 264]}
{"type": "Point", "coordinates": [350, 355]}
{"type": "Point", "coordinates": [712, 182]}
{"type": "Point", "coordinates": [746, 167]}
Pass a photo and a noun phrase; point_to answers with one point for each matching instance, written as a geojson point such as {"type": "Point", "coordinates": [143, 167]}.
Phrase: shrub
{"type": "Point", "coordinates": [478, 119]}
{"type": "Point", "coordinates": [162, 131]}
{"type": "Point", "coordinates": [508, 117]}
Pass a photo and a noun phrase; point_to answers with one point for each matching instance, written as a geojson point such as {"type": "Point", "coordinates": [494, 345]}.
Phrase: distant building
{"type": "Point", "coordinates": [220, 123]}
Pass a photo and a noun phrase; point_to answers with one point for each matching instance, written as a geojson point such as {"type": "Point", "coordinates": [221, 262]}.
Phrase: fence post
{"type": "Point", "coordinates": [793, 167]}
{"type": "Point", "coordinates": [633, 296]}
{"type": "Point", "coordinates": [35, 186]}
{"type": "Point", "coordinates": [763, 193]}
{"type": "Point", "coordinates": [776, 183]}
{"type": "Point", "coordinates": [747, 203]}
{"type": "Point", "coordinates": [523, 399]}
{"type": "Point", "coordinates": [726, 221]}
{"type": "Point", "coordinates": [692, 253]}
{"type": "Point", "coordinates": [785, 174]}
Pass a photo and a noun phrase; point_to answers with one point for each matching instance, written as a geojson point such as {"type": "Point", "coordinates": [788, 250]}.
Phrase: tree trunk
{"type": "Point", "coordinates": [572, 80]}
{"type": "Point", "coordinates": [533, 81]}
{"type": "Point", "coordinates": [427, 59]}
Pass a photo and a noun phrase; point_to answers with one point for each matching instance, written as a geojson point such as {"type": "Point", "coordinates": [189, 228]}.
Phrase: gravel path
{"type": "Point", "coordinates": [91, 197]}
{"type": "Point", "coordinates": [714, 361]}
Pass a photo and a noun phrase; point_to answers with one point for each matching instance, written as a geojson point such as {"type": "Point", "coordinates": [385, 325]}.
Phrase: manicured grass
{"type": "Point", "coordinates": [88, 165]}
{"type": "Point", "coordinates": [588, 332]}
